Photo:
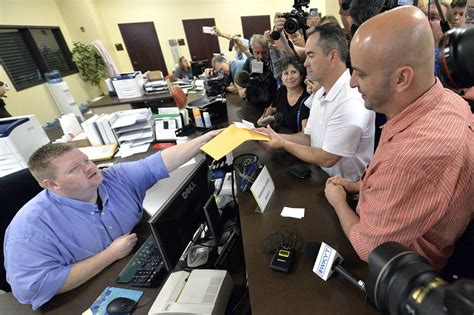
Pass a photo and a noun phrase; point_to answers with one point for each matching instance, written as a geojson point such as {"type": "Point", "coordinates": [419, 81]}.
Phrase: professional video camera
{"type": "Point", "coordinates": [296, 19]}
{"type": "Point", "coordinates": [402, 282]}
{"type": "Point", "coordinates": [259, 90]}
{"type": "Point", "coordinates": [215, 84]}
{"type": "Point", "coordinates": [456, 49]}
{"type": "Point", "coordinates": [260, 84]}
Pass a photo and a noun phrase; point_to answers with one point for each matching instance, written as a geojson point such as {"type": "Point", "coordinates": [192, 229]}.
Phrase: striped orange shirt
{"type": "Point", "coordinates": [419, 188]}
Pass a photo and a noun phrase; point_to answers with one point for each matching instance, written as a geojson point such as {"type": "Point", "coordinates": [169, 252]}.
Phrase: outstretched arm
{"type": "Point", "coordinates": [177, 155]}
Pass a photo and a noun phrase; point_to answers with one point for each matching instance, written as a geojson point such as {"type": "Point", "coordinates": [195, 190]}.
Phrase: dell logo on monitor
{"type": "Point", "coordinates": [188, 190]}
{"type": "Point", "coordinates": [324, 260]}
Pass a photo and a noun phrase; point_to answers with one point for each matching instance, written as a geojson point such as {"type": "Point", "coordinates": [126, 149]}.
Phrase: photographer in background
{"type": "Point", "coordinates": [290, 97]}
{"type": "Point", "coordinates": [297, 38]}
{"type": "Point", "coordinates": [220, 64]}
{"type": "Point", "coordinates": [266, 79]}
{"type": "Point", "coordinates": [279, 24]}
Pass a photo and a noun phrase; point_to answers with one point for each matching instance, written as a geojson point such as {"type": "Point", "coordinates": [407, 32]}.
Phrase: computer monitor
{"type": "Point", "coordinates": [179, 217]}
{"type": "Point", "coordinates": [198, 66]}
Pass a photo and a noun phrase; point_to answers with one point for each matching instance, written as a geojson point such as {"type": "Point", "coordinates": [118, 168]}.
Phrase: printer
{"type": "Point", "coordinates": [202, 291]}
{"type": "Point", "coordinates": [20, 136]}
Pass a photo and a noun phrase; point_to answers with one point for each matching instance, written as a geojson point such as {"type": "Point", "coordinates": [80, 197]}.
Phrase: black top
{"type": "Point", "coordinates": [290, 113]}
{"type": "Point", "coordinates": [3, 111]}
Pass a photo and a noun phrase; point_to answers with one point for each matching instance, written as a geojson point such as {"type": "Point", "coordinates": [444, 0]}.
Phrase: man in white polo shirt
{"type": "Point", "coordinates": [339, 135]}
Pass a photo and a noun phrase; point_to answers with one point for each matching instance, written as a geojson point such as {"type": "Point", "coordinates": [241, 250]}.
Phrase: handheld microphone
{"type": "Point", "coordinates": [231, 44]}
{"type": "Point", "coordinates": [242, 78]}
{"type": "Point", "coordinates": [328, 260]}
{"type": "Point", "coordinates": [277, 119]}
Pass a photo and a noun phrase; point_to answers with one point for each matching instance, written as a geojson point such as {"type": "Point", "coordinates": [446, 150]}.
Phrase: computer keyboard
{"type": "Point", "coordinates": [145, 268]}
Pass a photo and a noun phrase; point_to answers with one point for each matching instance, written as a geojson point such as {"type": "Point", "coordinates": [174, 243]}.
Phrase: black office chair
{"type": "Point", "coordinates": [461, 262]}
{"type": "Point", "coordinates": [16, 189]}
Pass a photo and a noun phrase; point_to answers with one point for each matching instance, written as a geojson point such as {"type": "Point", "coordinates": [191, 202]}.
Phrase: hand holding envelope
{"type": "Point", "coordinates": [231, 137]}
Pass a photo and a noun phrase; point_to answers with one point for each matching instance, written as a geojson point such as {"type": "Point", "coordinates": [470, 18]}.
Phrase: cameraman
{"type": "Point", "coordinates": [279, 23]}
{"type": "Point", "coordinates": [259, 47]}
{"type": "Point", "coordinates": [220, 64]}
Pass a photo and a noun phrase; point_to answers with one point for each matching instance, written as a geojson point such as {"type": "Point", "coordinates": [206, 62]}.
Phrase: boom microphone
{"type": "Point", "coordinates": [277, 119]}
{"type": "Point", "coordinates": [242, 78]}
{"type": "Point", "coordinates": [362, 10]}
{"type": "Point", "coordinates": [327, 260]}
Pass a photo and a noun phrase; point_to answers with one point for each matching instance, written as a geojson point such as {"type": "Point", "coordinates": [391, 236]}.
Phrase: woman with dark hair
{"type": "Point", "coordinates": [183, 70]}
{"type": "Point", "coordinates": [290, 96]}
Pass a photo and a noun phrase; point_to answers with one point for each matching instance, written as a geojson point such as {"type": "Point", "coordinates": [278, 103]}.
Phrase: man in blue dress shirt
{"type": "Point", "coordinates": [81, 222]}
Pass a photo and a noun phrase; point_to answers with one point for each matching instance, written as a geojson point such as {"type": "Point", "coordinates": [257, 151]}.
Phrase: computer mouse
{"type": "Point", "coordinates": [121, 305]}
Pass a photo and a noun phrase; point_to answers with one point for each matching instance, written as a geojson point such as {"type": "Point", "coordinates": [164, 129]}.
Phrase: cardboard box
{"type": "Point", "coordinates": [155, 75]}
{"type": "Point", "coordinates": [80, 141]}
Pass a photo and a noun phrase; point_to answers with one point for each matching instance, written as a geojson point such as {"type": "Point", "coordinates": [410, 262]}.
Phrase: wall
{"type": "Point", "coordinates": [100, 19]}
{"type": "Point", "coordinates": [37, 100]}
{"type": "Point", "coordinates": [167, 15]}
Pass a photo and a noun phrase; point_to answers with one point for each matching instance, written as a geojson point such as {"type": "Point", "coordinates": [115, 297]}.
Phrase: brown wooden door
{"type": "Point", "coordinates": [201, 46]}
{"type": "Point", "coordinates": [143, 46]}
{"type": "Point", "coordinates": [256, 24]}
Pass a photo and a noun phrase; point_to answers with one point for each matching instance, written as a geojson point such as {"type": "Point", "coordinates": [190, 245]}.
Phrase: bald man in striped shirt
{"type": "Point", "coordinates": [419, 188]}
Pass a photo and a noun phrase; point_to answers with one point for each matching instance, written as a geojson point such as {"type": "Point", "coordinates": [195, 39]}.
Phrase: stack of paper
{"type": "Point", "coordinates": [134, 130]}
{"type": "Point", "coordinates": [104, 124]}
{"type": "Point", "coordinates": [297, 213]}
{"type": "Point", "coordinates": [157, 87]}
{"type": "Point", "coordinates": [99, 129]}
{"type": "Point", "coordinates": [92, 131]}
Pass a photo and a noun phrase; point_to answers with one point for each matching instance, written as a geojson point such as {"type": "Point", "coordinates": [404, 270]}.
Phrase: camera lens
{"type": "Point", "coordinates": [291, 25]}
{"type": "Point", "coordinates": [456, 49]}
{"type": "Point", "coordinates": [394, 273]}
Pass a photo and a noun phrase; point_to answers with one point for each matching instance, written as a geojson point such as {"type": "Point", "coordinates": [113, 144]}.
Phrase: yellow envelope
{"type": "Point", "coordinates": [229, 139]}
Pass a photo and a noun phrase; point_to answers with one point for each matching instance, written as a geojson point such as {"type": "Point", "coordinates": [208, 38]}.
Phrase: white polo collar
{"type": "Point", "coordinates": [335, 89]}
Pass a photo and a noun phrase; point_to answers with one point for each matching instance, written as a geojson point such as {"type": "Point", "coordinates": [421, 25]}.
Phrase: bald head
{"type": "Point", "coordinates": [401, 36]}
{"type": "Point", "coordinates": [397, 47]}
